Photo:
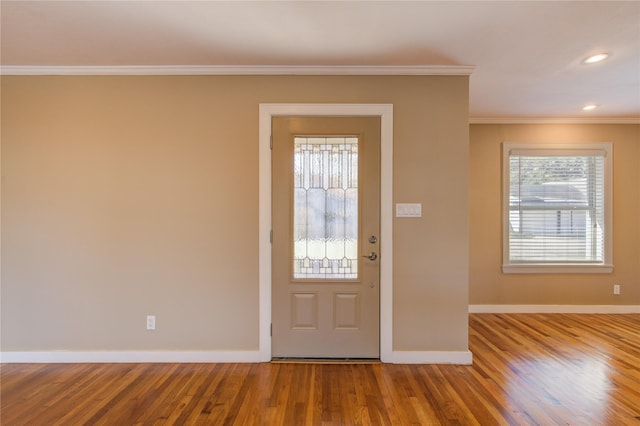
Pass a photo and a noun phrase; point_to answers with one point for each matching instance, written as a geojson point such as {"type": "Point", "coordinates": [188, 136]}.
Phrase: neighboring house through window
{"type": "Point", "coordinates": [557, 207]}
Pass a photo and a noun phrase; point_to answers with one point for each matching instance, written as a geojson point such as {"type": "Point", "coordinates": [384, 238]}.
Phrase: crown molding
{"type": "Point", "coordinates": [239, 70]}
{"type": "Point", "coordinates": [362, 70]}
{"type": "Point", "coordinates": [554, 120]}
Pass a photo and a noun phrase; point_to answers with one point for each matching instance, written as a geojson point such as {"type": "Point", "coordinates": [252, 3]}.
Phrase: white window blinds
{"type": "Point", "coordinates": [556, 204]}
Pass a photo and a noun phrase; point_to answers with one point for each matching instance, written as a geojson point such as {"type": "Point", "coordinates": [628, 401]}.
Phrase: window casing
{"type": "Point", "coordinates": [557, 214]}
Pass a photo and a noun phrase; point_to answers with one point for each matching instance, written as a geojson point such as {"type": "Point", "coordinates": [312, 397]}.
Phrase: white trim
{"type": "Point", "coordinates": [304, 70]}
{"type": "Point", "coordinates": [554, 309]}
{"type": "Point", "coordinates": [554, 120]}
{"type": "Point", "coordinates": [397, 357]}
{"type": "Point", "coordinates": [385, 111]}
{"type": "Point", "coordinates": [541, 268]}
{"type": "Point", "coordinates": [128, 356]}
{"type": "Point", "coordinates": [240, 70]}
{"type": "Point", "coordinates": [432, 357]}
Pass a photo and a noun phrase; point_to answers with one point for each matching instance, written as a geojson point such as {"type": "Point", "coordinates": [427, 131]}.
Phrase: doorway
{"type": "Point", "coordinates": [266, 114]}
{"type": "Point", "coordinates": [326, 231]}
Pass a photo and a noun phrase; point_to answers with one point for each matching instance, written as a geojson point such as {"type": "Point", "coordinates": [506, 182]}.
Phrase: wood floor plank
{"type": "Point", "coordinates": [529, 369]}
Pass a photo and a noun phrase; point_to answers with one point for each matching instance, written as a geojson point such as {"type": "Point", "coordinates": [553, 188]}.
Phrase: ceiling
{"type": "Point", "coordinates": [526, 56]}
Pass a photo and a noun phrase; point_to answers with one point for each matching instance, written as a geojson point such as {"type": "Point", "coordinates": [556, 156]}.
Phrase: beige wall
{"type": "Point", "coordinates": [128, 196]}
{"type": "Point", "coordinates": [488, 285]}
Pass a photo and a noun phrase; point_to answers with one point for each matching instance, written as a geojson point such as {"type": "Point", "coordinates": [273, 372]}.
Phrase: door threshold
{"type": "Point", "coordinates": [298, 360]}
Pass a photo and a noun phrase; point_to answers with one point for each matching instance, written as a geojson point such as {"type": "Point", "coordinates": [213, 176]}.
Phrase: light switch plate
{"type": "Point", "coordinates": [408, 210]}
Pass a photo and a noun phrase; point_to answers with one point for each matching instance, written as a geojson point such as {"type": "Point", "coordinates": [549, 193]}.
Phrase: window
{"type": "Point", "coordinates": [325, 223]}
{"type": "Point", "coordinates": [557, 207]}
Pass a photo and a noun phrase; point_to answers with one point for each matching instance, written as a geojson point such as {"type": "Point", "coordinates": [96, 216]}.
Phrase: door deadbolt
{"type": "Point", "coordinates": [373, 239]}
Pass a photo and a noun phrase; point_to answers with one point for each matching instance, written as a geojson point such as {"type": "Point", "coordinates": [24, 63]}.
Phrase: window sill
{"type": "Point", "coordinates": [538, 268]}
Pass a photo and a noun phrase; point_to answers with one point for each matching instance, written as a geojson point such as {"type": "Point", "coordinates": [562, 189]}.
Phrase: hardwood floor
{"type": "Point", "coordinates": [528, 369]}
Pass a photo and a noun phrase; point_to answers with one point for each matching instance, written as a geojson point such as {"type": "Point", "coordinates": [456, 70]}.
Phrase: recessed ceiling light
{"type": "Point", "coordinates": [596, 58]}
{"type": "Point", "coordinates": [589, 107]}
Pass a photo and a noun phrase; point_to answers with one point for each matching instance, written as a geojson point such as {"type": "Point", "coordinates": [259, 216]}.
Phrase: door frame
{"type": "Point", "coordinates": [385, 112]}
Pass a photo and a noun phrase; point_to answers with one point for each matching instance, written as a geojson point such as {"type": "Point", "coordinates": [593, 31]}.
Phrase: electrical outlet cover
{"type": "Point", "coordinates": [151, 322]}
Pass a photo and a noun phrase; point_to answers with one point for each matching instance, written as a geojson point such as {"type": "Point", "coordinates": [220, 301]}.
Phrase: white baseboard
{"type": "Point", "coordinates": [396, 357]}
{"type": "Point", "coordinates": [128, 356]}
{"type": "Point", "coordinates": [554, 309]}
{"type": "Point", "coordinates": [431, 357]}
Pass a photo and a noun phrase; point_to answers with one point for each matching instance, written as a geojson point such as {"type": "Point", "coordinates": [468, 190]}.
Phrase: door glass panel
{"type": "Point", "coordinates": [325, 216]}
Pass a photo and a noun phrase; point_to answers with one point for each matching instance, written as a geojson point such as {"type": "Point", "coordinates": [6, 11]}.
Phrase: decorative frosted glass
{"type": "Point", "coordinates": [325, 213]}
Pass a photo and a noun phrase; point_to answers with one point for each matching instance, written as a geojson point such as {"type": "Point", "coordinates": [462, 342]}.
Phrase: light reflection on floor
{"type": "Point", "coordinates": [588, 392]}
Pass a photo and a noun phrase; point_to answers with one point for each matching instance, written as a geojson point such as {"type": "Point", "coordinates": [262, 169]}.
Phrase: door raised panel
{"type": "Point", "coordinates": [304, 311]}
{"type": "Point", "coordinates": [346, 311]}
